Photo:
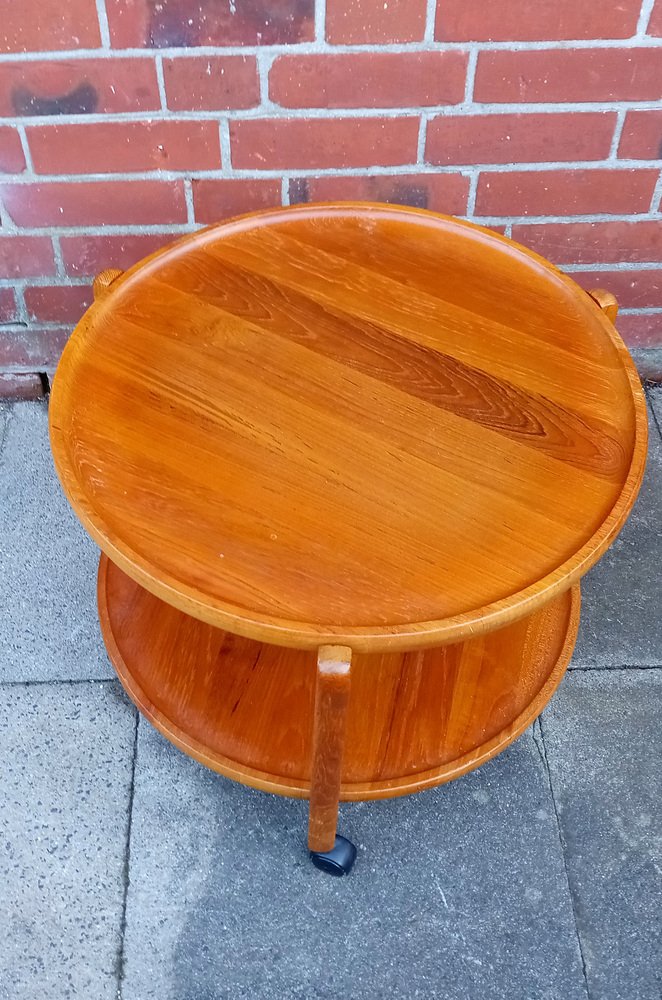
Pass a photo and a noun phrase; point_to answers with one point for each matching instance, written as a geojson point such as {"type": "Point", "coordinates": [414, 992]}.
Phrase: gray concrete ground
{"type": "Point", "coordinates": [128, 871]}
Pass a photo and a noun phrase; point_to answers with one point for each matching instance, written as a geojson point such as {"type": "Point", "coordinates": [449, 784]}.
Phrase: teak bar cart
{"type": "Point", "coordinates": [347, 464]}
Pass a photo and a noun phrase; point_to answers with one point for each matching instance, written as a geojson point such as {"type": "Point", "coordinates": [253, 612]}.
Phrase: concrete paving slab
{"type": "Point", "coordinates": [621, 624]}
{"type": "Point", "coordinates": [50, 629]}
{"type": "Point", "coordinates": [459, 892]}
{"type": "Point", "coordinates": [66, 754]}
{"type": "Point", "coordinates": [602, 738]}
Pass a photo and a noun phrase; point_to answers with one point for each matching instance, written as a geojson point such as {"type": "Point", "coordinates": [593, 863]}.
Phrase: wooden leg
{"type": "Point", "coordinates": [331, 701]}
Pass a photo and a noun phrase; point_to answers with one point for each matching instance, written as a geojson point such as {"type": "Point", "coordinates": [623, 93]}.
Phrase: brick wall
{"type": "Point", "coordinates": [126, 122]}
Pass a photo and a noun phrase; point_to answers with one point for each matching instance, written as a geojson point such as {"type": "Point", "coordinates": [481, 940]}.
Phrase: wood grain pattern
{"type": "Point", "coordinates": [414, 719]}
{"type": "Point", "coordinates": [353, 424]}
{"type": "Point", "coordinates": [332, 687]}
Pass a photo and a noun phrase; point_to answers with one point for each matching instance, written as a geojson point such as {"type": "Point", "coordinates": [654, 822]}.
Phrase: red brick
{"type": "Point", "coordinates": [32, 26]}
{"type": "Point", "coordinates": [214, 83]}
{"type": "Point", "coordinates": [655, 23]}
{"type": "Point", "coordinates": [565, 192]}
{"type": "Point", "coordinates": [87, 255]}
{"type": "Point", "coordinates": [642, 136]}
{"type": "Point", "coordinates": [106, 147]}
{"type": "Point", "coordinates": [221, 199]}
{"type": "Point", "coordinates": [522, 20]}
{"type": "Point", "coordinates": [95, 203]}
{"type": "Point", "coordinates": [374, 21]}
{"type": "Point", "coordinates": [633, 289]}
{"type": "Point", "coordinates": [26, 257]}
{"type": "Point", "coordinates": [369, 80]}
{"type": "Point", "coordinates": [7, 305]}
{"type": "Point", "coordinates": [640, 329]}
{"type": "Point", "coordinates": [58, 303]}
{"type": "Point", "coordinates": [593, 242]}
{"type": "Point", "coordinates": [439, 192]}
{"type": "Point", "coordinates": [569, 75]}
{"type": "Point", "coordinates": [519, 138]}
{"type": "Point", "coordinates": [78, 86]}
{"type": "Point", "coordinates": [12, 160]}
{"type": "Point", "coordinates": [181, 24]}
{"type": "Point", "coordinates": [34, 349]}
{"type": "Point", "coordinates": [317, 143]}
{"type": "Point", "coordinates": [20, 385]}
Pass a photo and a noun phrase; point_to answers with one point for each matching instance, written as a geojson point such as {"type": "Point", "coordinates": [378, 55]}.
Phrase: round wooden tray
{"type": "Point", "coordinates": [349, 424]}
{"type": "Point", "coordinates": [416, 719]}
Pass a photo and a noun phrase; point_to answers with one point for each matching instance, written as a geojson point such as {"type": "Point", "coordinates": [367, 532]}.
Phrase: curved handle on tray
{"type": "Point", "coordinates": [606, 301]}
{"type": "Point", "coordinates": [103, 281]}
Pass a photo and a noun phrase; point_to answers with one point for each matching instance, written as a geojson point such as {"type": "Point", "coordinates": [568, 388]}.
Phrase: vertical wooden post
{"type": "Point", "coordinates": [331, 701]}
{"type": "Point", "coordinates": [607, 302]}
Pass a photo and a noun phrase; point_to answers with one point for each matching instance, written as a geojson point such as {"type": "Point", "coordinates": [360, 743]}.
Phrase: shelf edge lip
{"type": "Point", "coordinates": [349, 792]}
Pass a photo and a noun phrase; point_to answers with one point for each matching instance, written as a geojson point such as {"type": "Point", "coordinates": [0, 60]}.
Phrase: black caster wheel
{"type": "Point", "coordinates": [337, 861]}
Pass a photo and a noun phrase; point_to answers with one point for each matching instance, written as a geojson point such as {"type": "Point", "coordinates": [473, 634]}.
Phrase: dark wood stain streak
{"type": "Point", "coordinates": [432, 376]}
{"type": "Point", "coordinates": [451, 302]}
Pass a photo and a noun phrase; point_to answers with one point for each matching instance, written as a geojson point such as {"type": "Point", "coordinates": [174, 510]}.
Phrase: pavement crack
{"type": "Point", "coordinates": [4, 427]}
{"type": "Point", "coordinates": [121, 958]}
{"type": "Point", "coordinates": [650, 392]}
{"type": "Point", "coordinates": [587, 669]}
{"type": "Point", "coordinates": [71, 681]}
{"type": "Point", "coordinates": [539, 741]}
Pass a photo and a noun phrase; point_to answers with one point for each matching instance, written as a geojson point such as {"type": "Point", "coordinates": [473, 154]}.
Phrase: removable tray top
{"type": "Point", "coordinates": [349, 423]}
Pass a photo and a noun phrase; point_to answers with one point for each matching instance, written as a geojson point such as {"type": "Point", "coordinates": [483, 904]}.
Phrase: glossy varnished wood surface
{"type": "Point", "coordinates": [414, 719]}
{"type": "Point", "coordinates": [349, 424]}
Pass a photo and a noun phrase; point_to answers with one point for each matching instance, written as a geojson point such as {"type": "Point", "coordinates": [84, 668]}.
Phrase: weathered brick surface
{"type": "Point", "coordinates": [211, 83]}
{"type": "Point", "coordinates": [26, 256]}
{"type": "Point", "coordinates": [109, 147]}
{"type": "Point", "coordinates": [640, 289]}
{"type": "Point", "coordinates": [514, 20]}
{"type": "Point", "coordinates": [374, 21]}
{"type": "Point", "coordinates": [565, 192]}
{"type": "Point", "coordinates": [33, 26]}
{"type": "Point", "coordinates": [446, 193]}
{"type": "Point", "coordinates": [58, 303]}
{"type": "Point", "coordinates": [593, 242]}
{"type": "Point", "coordinates": [519, 138]}
{"type": "Point", "coordinates": [180, 23]}
{"type": "Point", "coordinates": [119, 132]}
{"type": "Point", "coordinates": [36, 349]}
{"type": "Point", "coordinates": [95, 203]}
{"type": "Point", "coordinates": [655, 23]}
{"type": "Point", "coordinates": [570, 75]}
{"type": "Point", "coordinates": [7, 305]}
{"type": "Point", "coordinates": [20, 385]}
{"type": "Point", "coordinates": [641, 138]}
{"type": "Point", "coordinates": [640, 329]}
{"type": "Point", "coordinates": [77, 87]}
{"type": "Point", "coordinates": [87, 255]}
{"type": "Point", "coordinates": [318, 143]}
{"type": "Point", "coordinates": [12, 160]}
{"type": "Point", "coordinates": [369, 80]}
{"type": "Point", "coordinates": [215, 200]}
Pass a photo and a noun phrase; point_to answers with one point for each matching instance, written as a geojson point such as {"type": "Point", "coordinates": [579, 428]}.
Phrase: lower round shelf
{"type": "Point", "coordinates": [416, 719]}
